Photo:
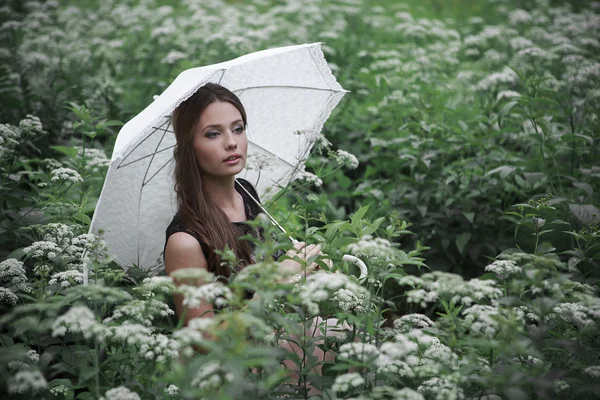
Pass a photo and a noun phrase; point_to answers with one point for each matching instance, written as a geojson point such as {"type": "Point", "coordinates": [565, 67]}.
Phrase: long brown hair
{"type": "Point", "coordinates": [196, 210]}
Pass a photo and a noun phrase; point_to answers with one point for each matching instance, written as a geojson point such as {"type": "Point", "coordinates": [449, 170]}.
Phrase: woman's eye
{"type": "Point", "coordinates": [239, 129]}
{"type": "Point", "coordinates": [209, 134]}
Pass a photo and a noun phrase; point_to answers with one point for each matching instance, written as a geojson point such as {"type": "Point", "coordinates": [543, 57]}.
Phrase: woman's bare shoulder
{"type": "Point", "coordinates": [183, 251]}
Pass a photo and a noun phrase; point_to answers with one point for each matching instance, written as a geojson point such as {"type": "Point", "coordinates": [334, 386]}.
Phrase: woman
{"type": "Point", "coordinates": [210, 129]}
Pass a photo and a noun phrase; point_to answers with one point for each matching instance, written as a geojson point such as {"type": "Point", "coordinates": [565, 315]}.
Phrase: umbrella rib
{"type": "Point", "coordinates": [146, 156]}
{"type": "Point", "coordinates": [140, 196]}
{"type": "Point", "coordinates": [156, 128]}
{"type": "Point", "coordinates": [289, 86]}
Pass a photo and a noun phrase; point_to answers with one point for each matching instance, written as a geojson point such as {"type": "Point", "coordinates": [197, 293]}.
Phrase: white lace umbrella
{"type": "Point", "coordinates": [288, 93]}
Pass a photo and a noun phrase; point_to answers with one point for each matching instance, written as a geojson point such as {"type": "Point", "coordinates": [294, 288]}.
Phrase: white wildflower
{"type": "Point", "coordinates": [369, 246]}
{"type": "Point", "coordinates": [410, 321]}
{"type": "Point", "coordinates": [7, 296]}
{"type": "Point", "coordinates": [345, 382]}
{"type": "Point", "coordinates": [561, 385]}
{"type": "Point", "coordinates": [408, 394]}
{"type": "Point", "coordinates": [24, 381]}
{"type": "Point", "coordinates": [410, 280]}
{"type": "Point", "coordinates": [507, 94]}
{"type": "Point", "coordinates": [362, 352]}
{"type": "Point", "coordinates": [211, 376]}
{"type": "Point", "coordinates": [120, 393]}
{"type": "Point", "coordinates": [344, 158]}
{"type": "Point", "coordinates": [593, 371]}
{"type": "Point", "coordinates": [16, 365]}
{"type": "Point", "coordinates": [481, 319]}
{"type": "Point", "coordinates": [33, 356]}
{"type": "Point", "coordinates": [507, 76]}
{"type": "Point", "coordinates": [65, 174]}
{"type": "Point", "coordinates": [156, 284]}
{"type": "Point", "coordinates": [173, 56]}
{"type": "Point", "coordinates": [503, 267]}
{"type": "Point", "coordinates": [576, 312]}
{"type": "Point", "coordinates": [310, 177]}
{"type": "Point", "coordinates": [12, 273]}
{"type": "Point", "coordinates": [319, 287]}
{"type": "Point", "coordinates": [536, 52]}
{"type": "Point", "coordinates": [172, 390]}
{"type": "Point", "coordinates": [440, 388]}
{"type": "Point", "coordinates": [79, 319]}
{"type": "Point", "coordinates": [350, 302]}
{"type": "Point", "coordinates": [519, 42]}
{"type": "Point", "coordinates": [42, 249]}
{"type": "Point", "coordinates": [213, 291]}
{"type": "Point", "coordinates": [519, 17]}
{"type": "Point", "coordinates": [67, 277]}
{"type": "Point", "coordinates": [421, 297]}
{"type": "Point", "coordinates": [59, 390]}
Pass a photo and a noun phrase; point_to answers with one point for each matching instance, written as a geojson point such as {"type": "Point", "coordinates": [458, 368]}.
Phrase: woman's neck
{"type": "Point", "coordinates": [221, 191]}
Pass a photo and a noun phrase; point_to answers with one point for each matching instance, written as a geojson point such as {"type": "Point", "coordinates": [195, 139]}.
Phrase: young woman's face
{"type": "Point", "coordinates": [220, 134]}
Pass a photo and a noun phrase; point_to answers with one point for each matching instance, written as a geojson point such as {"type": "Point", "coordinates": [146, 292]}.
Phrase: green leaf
{"type": "Point", "coordinates": [469, 216]}
{"type": "Point", "coordinates": [461, 241]}
{"type": "Point", "coordinates": [505, 110]}
{"type": "Point", "coordinates": [68, 151]}
{"type": "Point", "coordinates": [358, 215]}
{"type": "Point", "coordinates": [504, 171]}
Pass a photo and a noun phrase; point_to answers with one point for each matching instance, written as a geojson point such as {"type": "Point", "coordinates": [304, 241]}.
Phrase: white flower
{"type": "Point", "coordinates": [345, 382]}
{"type": "Point", "coordinates": [561, 385]}
{"type": "Point", "coordinates": [143, 311]}
{"type": "Point", "coordinates": [12, 273]}
{"type": "Point", "coordinates": [213, 291]}
{"type": "Point", "coordinates": [507, 94]}
{"type": "Point", "coordinates": [310, 177]}
{"type": "Point", "coordinates": [24, 381]}
{"type": "Point", "coordinates": [408, 394]}
{"type": "Point", "coordinates": [173, 57]}
{"type": "Point", "coordinates": [79, 319]}
{"type": "Point", "coordinates": [172, 390]}
{"type": "Point", "coordinates": [66, 174]}
{"type": "Point", "coordinates": [66, 277]}
{"type": "Point", "coordinates": [421, 297]}
{"type": "Point", "coordinates": [350, 302]}
{"type": "Point", "coordinates": [33, 356]}
{"type": "Point", "coordinates": [7, 296]}
{"type": "Point", "coordinates": [593, 371]}
{"type": "Point", "coordinates": [120, 393]}
{"type": "Point", "coordinates": [440, 388]}
{"type": "Point", "coordinates": [59, 390]}
{"type": "Point", "coordinates": [41, 248]}
{"type": "Point", "coordinates": [319, 287]}
{"type": "Point", "coordinates": [520, 42]}
{"type": "Point", "coordinates": [344, 158]}
{"type": "Point", "coordinates": [410, 321]}
{"type": "Point", "coordinates": [481, 320]}
{"type": "Point", "coordinates": [507, 76]}
{"type": "Point", "coordinates": [519, 17]}
{"type": "Point", "coordinates": [369, 246]}
{"type": "Point", "coordinates": [362, 352]}
{"type": "Point", "coordinates": [156, 284]}
{"type": "Point", "coordinates": [211, 375]}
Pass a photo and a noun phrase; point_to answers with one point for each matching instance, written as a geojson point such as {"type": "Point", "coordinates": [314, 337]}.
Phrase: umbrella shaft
{"type": "Point", "coordinates": [273, 221]}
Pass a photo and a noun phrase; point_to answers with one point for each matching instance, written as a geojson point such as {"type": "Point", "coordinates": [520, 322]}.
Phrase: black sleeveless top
{"type": "Point", "coordinates": [252, 210]}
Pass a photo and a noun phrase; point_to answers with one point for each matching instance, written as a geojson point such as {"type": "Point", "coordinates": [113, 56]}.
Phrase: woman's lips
{"type": "Point", "coordinates": [232, 162]}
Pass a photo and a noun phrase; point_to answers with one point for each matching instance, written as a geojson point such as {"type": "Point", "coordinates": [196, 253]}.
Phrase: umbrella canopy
{"type": "Point", "coordinates": [288, 93]}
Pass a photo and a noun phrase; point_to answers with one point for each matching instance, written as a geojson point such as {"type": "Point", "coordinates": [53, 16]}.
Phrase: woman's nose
{"type": "Point", "coordinates": [230, 140]}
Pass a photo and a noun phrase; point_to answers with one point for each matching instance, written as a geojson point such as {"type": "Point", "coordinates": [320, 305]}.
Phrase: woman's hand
{"type": "Point", "coordinates": [304, 252]}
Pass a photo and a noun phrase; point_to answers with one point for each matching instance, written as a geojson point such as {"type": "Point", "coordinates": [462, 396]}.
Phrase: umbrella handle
{"type": "Point", "coordinates": [359, 263]}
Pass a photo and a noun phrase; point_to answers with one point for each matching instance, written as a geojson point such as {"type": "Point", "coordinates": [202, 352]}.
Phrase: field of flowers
{"type": "Point", "coordinates": [463, 169]}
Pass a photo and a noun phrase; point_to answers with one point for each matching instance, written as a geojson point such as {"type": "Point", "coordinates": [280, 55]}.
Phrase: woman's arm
{"type": "Point", "coordinates": [184, 251]}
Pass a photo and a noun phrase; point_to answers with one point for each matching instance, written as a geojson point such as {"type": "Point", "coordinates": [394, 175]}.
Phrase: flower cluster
{"type": "Point", "coordinates": [347, 295]}
{"type": "Point", "coordinates": [66, 175]}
